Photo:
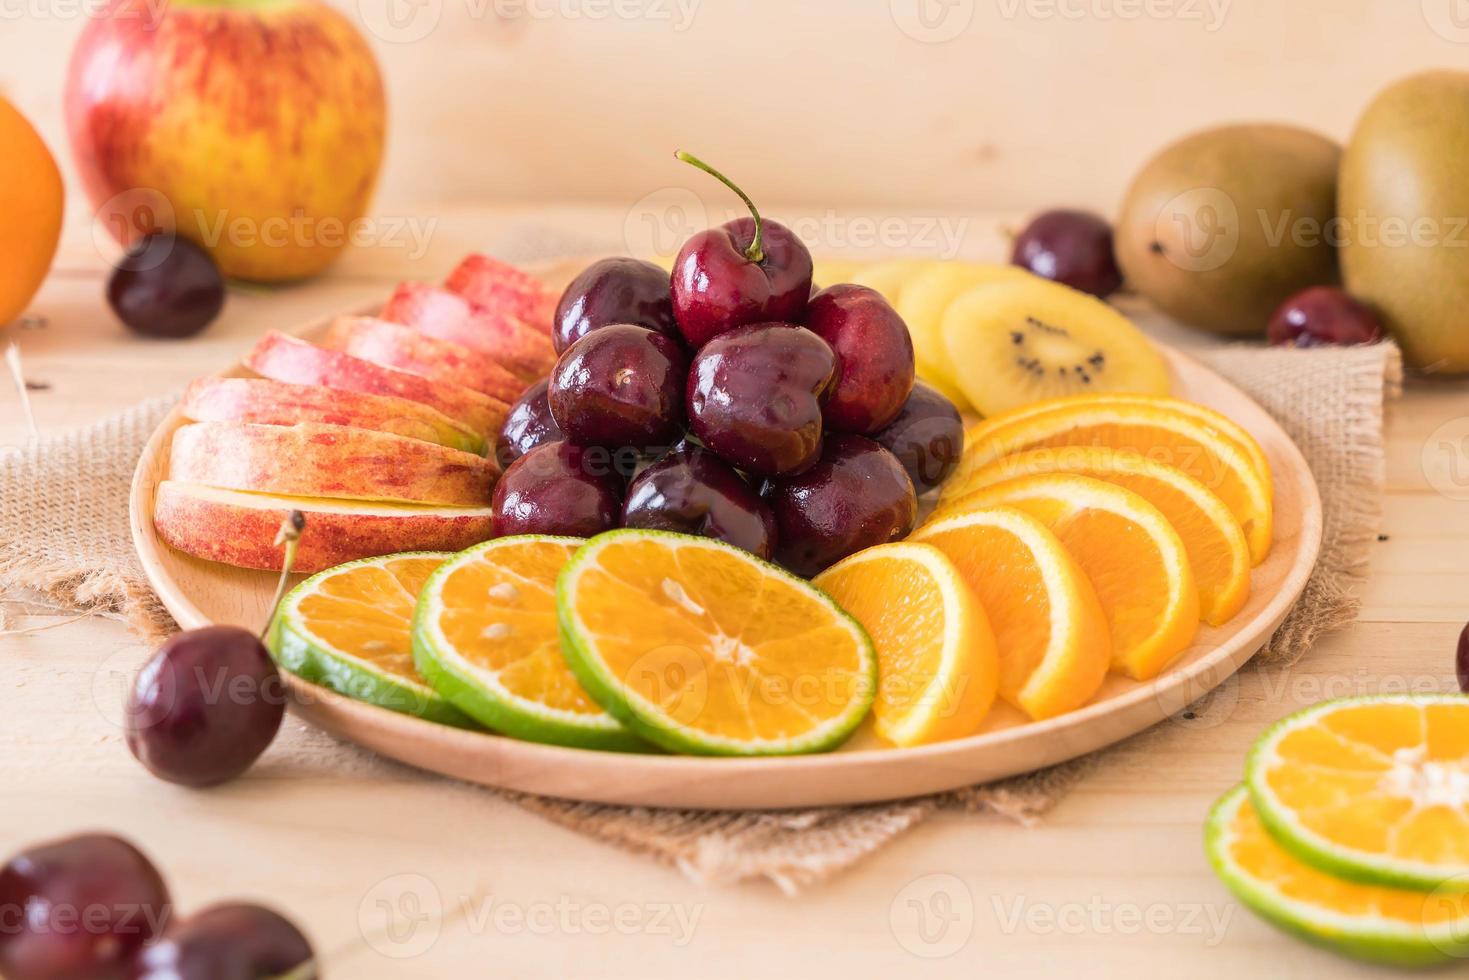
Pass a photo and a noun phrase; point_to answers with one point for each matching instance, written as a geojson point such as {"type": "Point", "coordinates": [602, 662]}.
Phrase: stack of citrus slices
{"type": "Point", "coordinates": [1352, 828]}
{"type": "Point", "coordinates": [1079, 536]}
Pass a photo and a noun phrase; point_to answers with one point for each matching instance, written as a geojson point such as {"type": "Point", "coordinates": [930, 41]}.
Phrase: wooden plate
{"type": "Point", "coordinates": [199, 592]}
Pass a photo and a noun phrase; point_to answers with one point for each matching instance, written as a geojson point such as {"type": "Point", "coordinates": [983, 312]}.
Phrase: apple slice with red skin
{"type": "Point", "coordinates": [240, 528]}
{"type": "Point", "coordinates": [496, 285]}
{"type": "Point", "coordinates": [285, 358]}
{"type": "Point", "coordinates": [441, 314]}
{"type": "Point", "coordinates": [396, 346]}
{"type": "Point", "coordinates": [269, 402]}
{"type": "Point", "coordinates": [314, 460]}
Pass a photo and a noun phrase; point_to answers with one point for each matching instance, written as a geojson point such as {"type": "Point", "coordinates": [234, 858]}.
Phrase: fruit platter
{"type": "Point", "coordinates": [756, 531]}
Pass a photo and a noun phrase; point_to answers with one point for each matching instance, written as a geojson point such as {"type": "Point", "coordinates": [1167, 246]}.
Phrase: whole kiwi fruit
{"type": "Point", "coordinates": [1219, 228]}
{"type": "Point", "coordinates": [1405, 216]}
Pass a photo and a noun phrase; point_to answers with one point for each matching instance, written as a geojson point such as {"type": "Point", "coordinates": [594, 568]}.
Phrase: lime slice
{"type": "Point", "coordinates": [1369, 922]}
{"type": "Point", "coordinates": [1375, 789]}
{"type": "Point", "coordinates": [701, 647]}
{"type": "Point", "coordinates": [485, 637]}
{"type": "Point", "coordinates": [347, 629]}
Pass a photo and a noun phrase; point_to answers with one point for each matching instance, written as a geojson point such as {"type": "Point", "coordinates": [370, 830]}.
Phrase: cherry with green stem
{"type": "Point", "coordinates": [749, 270]}
{"type": "Point", "coordinates": [209, 701]}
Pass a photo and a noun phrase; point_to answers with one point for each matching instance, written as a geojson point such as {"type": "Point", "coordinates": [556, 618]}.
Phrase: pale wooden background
{"type": "Point", "coordinates": [1031, 103]}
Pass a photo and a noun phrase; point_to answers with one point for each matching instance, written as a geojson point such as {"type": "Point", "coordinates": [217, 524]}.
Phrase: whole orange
{"type": "Point", "coordinates": [30, 212]}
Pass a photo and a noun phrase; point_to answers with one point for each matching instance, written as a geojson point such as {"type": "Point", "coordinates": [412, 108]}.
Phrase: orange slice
{"type": "Point", "coordinates": [1375, 789]}
{"type": "Point", "coordinates": [1050, 632]}
{"type": "Point", "coordinates": [936, 662]}
{"type": "Point", "coordinates": [1134, 559]}
{"type": "Point", "coordinates": [1192, 440]}
{"type": "Point", "coordinates": [1214, 540]}
{"type": "Point", "coordinates": [485, 636]}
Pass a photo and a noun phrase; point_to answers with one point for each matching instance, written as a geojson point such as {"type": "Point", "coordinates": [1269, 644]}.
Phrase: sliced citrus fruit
{"type": "Point", "coordinates": [1134, 559]}
{"type": "Point", "coordinates": [347, 629]}
{"type": "Point", "coordinates": [485, 636]}
{"type": "Point", "coordinates": [829, 272]}
{"type": "Point", "coordinates": [1370, 922]}
{"type": "Point", "coordinates": [701, 647]}
{"type": "Point", "coordinates": [892, 276]}
{"type": "Point", "coordinates": [1016, 341]}
{"type": "Point", "coordinates": [1050, 632]}
{"type": "Point", "coordinates": [1182, 440]}
{"type": "Point", "coordinates": [1226, 427]}
{"type": "Point", "coordinates": [1213, 538]}
{"type": "Point", "coordinates": [936, 662]}
{"type": "Point", "coordinates": [1375, 789]}
{"type": "Point", "coordinates": [924, 298]}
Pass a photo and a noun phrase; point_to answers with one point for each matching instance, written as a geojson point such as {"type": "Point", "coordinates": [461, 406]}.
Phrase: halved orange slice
{"type": "Point", "coordinates": [1213, 538]}
{"type": "Point", "coordinates": [936, 662]}
{"type": "Point", "coordinates": [1187, 440]}
{"type": "Point", "coordinates": [1050, 632]}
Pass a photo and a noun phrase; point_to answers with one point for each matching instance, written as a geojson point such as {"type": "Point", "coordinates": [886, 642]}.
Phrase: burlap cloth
{"type": "Point", "coordinates": [64, 533]}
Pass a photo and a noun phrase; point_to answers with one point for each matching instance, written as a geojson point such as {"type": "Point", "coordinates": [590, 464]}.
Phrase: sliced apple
{"type": "Point", "coordinates": [284, 358]}
{"type": "Point", "coordinates": [278, 403]}
{"type": "Point", "coordinates": [439, 313]}
{"type": "Point", "coordinates": [496, 285]}
{"type": "Point", "coordinates": [240, 528]}
{"type": "Point", "coordinates": [396, 346]}
{"type": "Point", "coordinates": [314, 460]}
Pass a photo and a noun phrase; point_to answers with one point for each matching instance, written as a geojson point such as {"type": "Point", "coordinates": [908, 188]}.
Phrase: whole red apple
{"type": "Point", "coordinates": [253, 127]}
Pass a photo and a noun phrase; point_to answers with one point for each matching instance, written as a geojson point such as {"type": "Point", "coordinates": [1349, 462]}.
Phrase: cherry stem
{"type": "Point", "coordinates": [17, 375]}
{"type": "Point", "coordinates": [290, 536]}
{"type": "Point", "coordinates": [756, 251]}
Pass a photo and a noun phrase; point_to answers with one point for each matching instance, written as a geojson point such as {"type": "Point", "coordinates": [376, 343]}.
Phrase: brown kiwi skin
{"type": "Point", "coordinates": [1277, 177]}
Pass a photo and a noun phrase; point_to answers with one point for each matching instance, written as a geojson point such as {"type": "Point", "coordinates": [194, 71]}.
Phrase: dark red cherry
{"type": "Point", "coordinates": [205, 706]}
{"type": "Point", "coordinates": [615, 290]}
{"type": "Point", "coordinates": [1322, 316]}
{"type": "Point", "coordinates": [528, 424]}
{"type": "Point", "coordinates": [874, 356]}
{"type": "Point", "coordinates": [230, 941]}
{"type": "Point", "coordinates": [691, 491]}
{"type": "Point", "coordinates": [78, 908]}
{"type": "Point", "coordinates": [1070, 247]}
{"type": "Point", "coordinates": [1461, 661]}
{"type": "Point", "coordinates": [755, 396]}
{"type": "Point", "coordinates": [166, 287]}
{"type": "Point", "coordinates": [620, 386]}
{"type": "Point", "coordinates": [749, 270]}
{"type": "Point", "coordinates": [927, 437]}
{"type": "Point", "coordinates": [856, 496]}
{"type": "Point", "coordinates": [559, 488]}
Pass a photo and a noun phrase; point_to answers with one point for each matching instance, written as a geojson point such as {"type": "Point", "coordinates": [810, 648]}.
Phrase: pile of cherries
{"type": "Point", "coordinates": [93, 907]}
{"type": "Point", "coordinates": [731, 400]}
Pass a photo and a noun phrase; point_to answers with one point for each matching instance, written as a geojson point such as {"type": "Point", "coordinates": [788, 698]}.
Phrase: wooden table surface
{"type": "Point", "coordinates": [1113, 882]}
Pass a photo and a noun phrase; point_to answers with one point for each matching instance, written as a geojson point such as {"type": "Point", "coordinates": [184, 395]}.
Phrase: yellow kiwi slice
{"type": "Point", "coordinates": [891, 277]}
{"type": "Point", "coordinates": [1013, 343]}
{"type": "Point", "coordinates": [921, 304]}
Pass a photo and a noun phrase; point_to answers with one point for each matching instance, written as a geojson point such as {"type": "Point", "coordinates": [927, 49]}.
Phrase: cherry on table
{"type": "Point", "coordinates": [614, 290]}
{"type": "Point", "coordinates": [1073, 248]}
{"type": "Point", "coordinates": [166, 286]}
{"type": "Point", "coordinates": [755, 396]}
{"type": "Point", "coordinates": [229, 941]}
{"type": "Point", "coordinates": [691, 491]}
{"type": "Point", "coordinates": [620, 386]}
{"type": "Point", "coordinates": [1322, 316]}
{"type": "Point", "coordinates": [749, 270]}
{"type": "Point", "coordinates": [78, 908]}
{"type": "Point", "coordinates": [205, 706]}
{"type": "Point", "coordinates": [856, 496]}
{"type": "Point", "coordinates": [1461, 663]}
{"type": "Point", "coordinates": [560, 488]}
{"type": "Point", "coordinates": [874, 356]}
{"type": "Point", "coordinates": [927, 437]}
